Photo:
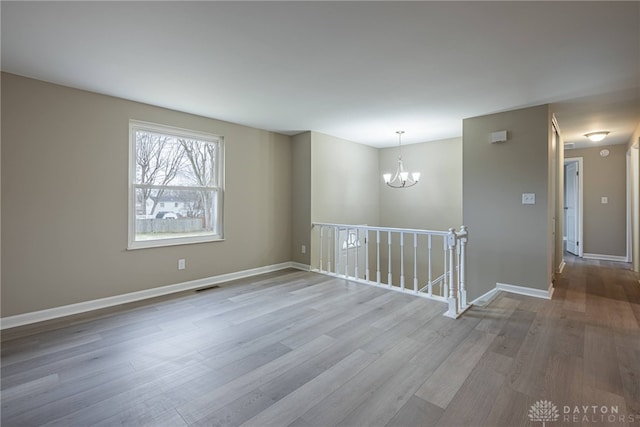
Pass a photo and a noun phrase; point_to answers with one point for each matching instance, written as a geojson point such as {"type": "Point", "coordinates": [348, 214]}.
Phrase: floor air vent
{"type": "Point", "coordinates": [208, 288]}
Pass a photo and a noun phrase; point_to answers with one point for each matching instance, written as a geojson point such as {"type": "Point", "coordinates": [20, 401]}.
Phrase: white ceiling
{"type": "Point", "coordinates": [355, 70]}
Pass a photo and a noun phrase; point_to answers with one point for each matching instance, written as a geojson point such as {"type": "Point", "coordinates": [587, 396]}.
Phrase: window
{"type": "Point", "coordinates": [176, 186]}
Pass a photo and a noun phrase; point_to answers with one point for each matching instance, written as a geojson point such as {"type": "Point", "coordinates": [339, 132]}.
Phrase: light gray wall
{"type": "Point", "coordinates": [301, 197]}
{"type": "Point", "coordinates": [508, 242]}
{"type": "Point", "coordinates": [344, 184]}
{"type": "Point", "coordinates": [64, 199]}
{"type": "Point", "coordinates": [605, 225]}
{"type": "Point", "coordinates": [435, 203]}
{"type": "Point", "coordinates": [344, 181]}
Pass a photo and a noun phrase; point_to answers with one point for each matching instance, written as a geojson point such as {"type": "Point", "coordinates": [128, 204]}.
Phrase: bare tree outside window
{"type": "Point", "coordinates": [158, 162]}
{"type": "Point", "coordinates": [201, 159]}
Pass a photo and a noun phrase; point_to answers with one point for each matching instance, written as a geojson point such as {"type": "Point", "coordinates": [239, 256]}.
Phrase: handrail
{"type": "Point", "coordinates": [342, 249]}
{"type": "Point", "coordinates": [393, 229]}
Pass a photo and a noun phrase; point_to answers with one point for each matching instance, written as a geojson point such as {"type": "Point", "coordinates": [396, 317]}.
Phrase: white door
{"type": "Point", "coordinates": [571, 207]}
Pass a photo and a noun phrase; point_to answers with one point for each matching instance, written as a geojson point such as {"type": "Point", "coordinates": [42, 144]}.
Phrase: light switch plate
{"type": "Point", "coordinates": [528, 198]}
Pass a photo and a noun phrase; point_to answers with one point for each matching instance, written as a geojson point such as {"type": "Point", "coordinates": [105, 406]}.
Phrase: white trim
{"type": "Point", "coordinates": [85, 306]}
{"type": "Point", "coordinates": [521, 290]}
{"type": "Point", "coordinates": [485, 299]}
{"type": "Point", "coordinates": [629, 257]}
{"type": "Point", "coordinates": [562, 266]}
{"type": "Point", "coordinates": [580, 161]}
{"type": "Point", "coordinates": [299, 266]}
{"type": "Point", "coordinates": [603, 257]}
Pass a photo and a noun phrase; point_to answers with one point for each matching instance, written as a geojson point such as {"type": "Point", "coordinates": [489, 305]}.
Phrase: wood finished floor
{"type": "Point", "coordinates": [300, 349]}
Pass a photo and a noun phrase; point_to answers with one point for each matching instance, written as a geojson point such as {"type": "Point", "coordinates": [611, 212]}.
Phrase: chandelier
{"type": "Point", "coordinates": [401, 179]}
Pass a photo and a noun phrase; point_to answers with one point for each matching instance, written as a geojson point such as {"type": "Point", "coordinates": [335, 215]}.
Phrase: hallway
{"type": "Point", "coordinates": [581, 349]}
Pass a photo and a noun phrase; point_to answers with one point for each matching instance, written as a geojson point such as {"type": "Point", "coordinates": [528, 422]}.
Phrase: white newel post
{"type": "Point", "coordinates": [452, 300]}
{"type": "Point", "coordinates": [462, 262]}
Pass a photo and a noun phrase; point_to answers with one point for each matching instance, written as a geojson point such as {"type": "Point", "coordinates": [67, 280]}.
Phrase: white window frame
{"type": "Point", "coordinates": [135, 125]}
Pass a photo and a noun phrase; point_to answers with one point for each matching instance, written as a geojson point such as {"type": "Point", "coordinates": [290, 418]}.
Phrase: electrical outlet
{"type": "Point", "coordinates": [182, 264]}
{"type": "Point", "coordinates": [528, 198]}
{"type": "Point", "coordinates": [303, 249]}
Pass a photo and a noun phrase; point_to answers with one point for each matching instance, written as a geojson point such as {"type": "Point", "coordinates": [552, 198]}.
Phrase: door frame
{"type": "Point", "coordinates": [632, 200]}
{"type": "Point", "coordinates": [580, 208]}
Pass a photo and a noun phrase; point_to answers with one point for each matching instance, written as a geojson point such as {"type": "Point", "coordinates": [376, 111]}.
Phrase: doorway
{"type": "Point", "coordinates": [573, 206]}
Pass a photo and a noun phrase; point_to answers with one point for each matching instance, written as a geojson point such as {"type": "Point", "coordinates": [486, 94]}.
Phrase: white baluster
{"type": "Point", "coordinates": [367, 277]}
{"type": "Point", "coordinates": [346, 255]}
{"type": "Point", "coordinates": [321, 261]}
{"type": "Point", "coordinates": [329, 244]}
{"type": "Point", "coordinates": [357, 243]}
{"type": "Point", "coordinates": [415, 263]}
{"type": "Point", "coordinates": [336, 253]}
{"type": "Point", "coordinates": [402, 260]}
{"type": "Point", "coordinates": [456, 265]}
{"type": "Point", "coordinates": [378, 257]}
{"type": "Point", "coordinates": [445, 280]}
{"type": "Point", "coordinates": [430, 282]}
{"type": "Point", "coordinates": [389, 278]}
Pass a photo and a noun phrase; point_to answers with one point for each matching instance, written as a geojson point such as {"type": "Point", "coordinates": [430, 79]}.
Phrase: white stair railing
{"type": "Point", "coordinates": [348, 251]}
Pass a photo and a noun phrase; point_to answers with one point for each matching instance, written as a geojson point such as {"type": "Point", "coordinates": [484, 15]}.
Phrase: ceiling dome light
{"type": "Point", "coordinates": [597, 136]}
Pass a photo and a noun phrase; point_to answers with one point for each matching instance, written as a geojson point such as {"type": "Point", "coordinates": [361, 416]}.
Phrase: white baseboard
{"type": "Point", "coordinates": [486, 298]}
{"type": "Point", "coordinates": [85, 306]}
{"type": "Point", "coordinates": [521, 290]}
{"type": "Point", "coordinates": [299, 266]}
{"type": "Point", "coordinates": [562, 266]}
{"type": "Point", "coordinates": [603, 257]}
